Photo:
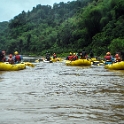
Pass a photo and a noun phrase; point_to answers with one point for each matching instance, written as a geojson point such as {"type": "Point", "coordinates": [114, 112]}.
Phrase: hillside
{"type": "Point", "coordinates": [65, 27]}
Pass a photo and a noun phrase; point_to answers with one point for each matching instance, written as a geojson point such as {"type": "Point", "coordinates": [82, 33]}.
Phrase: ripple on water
{"type": "Point", "coordinates": [53, 93]}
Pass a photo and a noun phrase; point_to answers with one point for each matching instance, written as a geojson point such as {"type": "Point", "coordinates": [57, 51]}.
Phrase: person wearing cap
{"type": "Point", "coordinates": [74, 57]}
{"type": "Point", "coordinates": [17, 58]}
{"type": "Point", "coordinates": [69, 57]}
{"type": "Point", "coordinates": [108, 57]}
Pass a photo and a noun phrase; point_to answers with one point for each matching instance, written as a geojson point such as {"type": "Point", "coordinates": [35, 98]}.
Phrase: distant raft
{"type": "Point", "coordinates": [95, 61]}
{"type": "Point", "coordinates": [115, 66]}
{"type": "Point", "coordinates": [11, 67]}
{"type": "Point", "coordinates": [47, 61]}
{"type": "Point", "coordinates": [79, 62]}
{"type": "Point", "coordinates": [56, 59]}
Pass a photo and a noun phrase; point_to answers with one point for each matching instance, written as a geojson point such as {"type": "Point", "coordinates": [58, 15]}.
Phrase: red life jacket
{"type": "Point", "coordinates": [108, 58]}
{"type": "Point", "coordinates": [74, 57]}
{"type": "Point", "coordinates": [17, 58]}
{"type": "Point", "coordinates": [70, 57]}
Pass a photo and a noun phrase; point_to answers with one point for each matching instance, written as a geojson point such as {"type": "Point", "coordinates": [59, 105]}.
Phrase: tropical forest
{"type": "Point", "coordinates": [96, 25]}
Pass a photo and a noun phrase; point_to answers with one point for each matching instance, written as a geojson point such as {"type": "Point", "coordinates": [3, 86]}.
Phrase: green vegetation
{"type": "Point", "coordinates": [65, 27]}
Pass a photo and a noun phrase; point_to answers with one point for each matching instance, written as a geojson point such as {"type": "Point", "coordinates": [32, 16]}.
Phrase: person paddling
{"type": "Point", "coordinates": [11, 59]}
{"type": "Point", "coordinates": [17, 58]}
{"type": "Point", "coordinates": [69, 57]}
{"type": "Point", "coordinates": [108, 58]}
{"type": "Point", "coordinates": [117, 57]}
{"type": "Point", "coordinates": [54, 55]}
{"type": "Point", "coordinates": [4, 56]}
{"type": "Point", "coordinates": [48, 56]}
{"type": "Point", "coordinates": [74, 57]}
{"type": "Point", "coordinates": [83, 54]}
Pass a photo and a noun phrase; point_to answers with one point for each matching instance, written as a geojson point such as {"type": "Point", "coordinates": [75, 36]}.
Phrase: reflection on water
{"type": "Point", "coordinates": [53, 93]}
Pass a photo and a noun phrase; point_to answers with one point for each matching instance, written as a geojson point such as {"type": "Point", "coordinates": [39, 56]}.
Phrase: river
{"type": "Point", "coordinates": [53, 93]}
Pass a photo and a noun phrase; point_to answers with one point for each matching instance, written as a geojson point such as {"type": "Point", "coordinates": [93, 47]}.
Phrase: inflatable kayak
{"type": "Point", "coordinates": [115, 66]}
{"type": "Point", "coordinates": [95, 61]}
{"type": "Point", "coordinates": [46, 61]}
{"type": "Point", "coordinates": [79, 62]}
{"type": "Point", "coordinates": [11, 67]}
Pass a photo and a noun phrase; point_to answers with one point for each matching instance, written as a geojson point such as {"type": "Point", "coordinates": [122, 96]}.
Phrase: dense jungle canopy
{"type": "Point", "coordinates": [96, 25]}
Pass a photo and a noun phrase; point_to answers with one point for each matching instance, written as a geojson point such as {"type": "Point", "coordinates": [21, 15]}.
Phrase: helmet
{"type": "Point", "coordinates": [116, 55]}
{"type": "Point", "coordinates": [108, 53]}
{"type": "Point", "coordinates": [16, 52]}
{"type": "Point", "coordinates": [74, 54]}
{"type": "Point", "coordinates": [10, 55]}
{"type": "Point", "coordinates": [70, 53]}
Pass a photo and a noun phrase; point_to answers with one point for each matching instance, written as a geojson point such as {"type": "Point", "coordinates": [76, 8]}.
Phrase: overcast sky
{"type": "Point", "coordinates": [11, 8]}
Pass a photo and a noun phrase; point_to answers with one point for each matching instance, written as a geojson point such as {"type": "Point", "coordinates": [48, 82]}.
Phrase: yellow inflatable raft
{"type": "Point", "coordinates": [93, 59]}
{"type": "Point", "coordinates": [79, 62]}
{"type": "Point", "coordinates": [116, 66]}
{"type": "Point", "coordinates": [28, 64]}
{"type": "Point", "coordinates": [11, 67]}
{"type": "Point", "coordinates": [56, 59]}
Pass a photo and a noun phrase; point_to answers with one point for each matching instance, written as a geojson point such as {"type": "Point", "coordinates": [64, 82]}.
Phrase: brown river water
{"type": "Point", "coordinates": [53, 93]}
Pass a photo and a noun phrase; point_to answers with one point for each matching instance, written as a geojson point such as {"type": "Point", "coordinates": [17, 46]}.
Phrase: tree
{"type": "Point", "coordinates": [116, 45]}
